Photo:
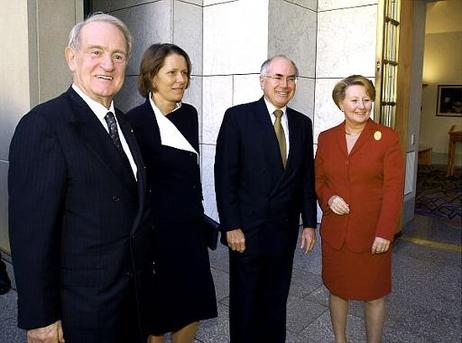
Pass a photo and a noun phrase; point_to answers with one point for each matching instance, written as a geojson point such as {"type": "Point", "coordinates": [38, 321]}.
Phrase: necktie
{"type": "Point", "coordinates": [280, 136]}
{"type": "Point", "coordinates": [113, 132]}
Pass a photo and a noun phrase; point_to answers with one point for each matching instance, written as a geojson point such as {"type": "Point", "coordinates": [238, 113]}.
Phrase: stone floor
{"type": "Point", "coordinates": [425, 305]}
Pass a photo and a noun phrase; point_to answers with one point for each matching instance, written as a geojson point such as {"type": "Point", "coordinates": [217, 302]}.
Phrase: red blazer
{"type": "Point", "coordinates": [370, 179]}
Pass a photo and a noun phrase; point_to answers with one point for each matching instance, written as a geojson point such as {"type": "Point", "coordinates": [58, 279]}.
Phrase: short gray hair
{"type": "Point", "coordinates": [265, 65]}
{"type": "Point", "coordinates": [74, 35]}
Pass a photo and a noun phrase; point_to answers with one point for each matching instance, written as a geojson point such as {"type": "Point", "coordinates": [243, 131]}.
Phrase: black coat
{"type": "Point", "coordinates": [176, 193]}
{"type": "Point", "coordinates": [80, 236]}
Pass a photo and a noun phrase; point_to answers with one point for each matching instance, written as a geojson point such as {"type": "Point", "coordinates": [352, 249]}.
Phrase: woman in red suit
{"type": "Point", "coordinates": [359, 183]}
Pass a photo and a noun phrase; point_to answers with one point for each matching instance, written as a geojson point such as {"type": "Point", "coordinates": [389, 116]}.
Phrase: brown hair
{"type": "Point", "coordinates": [338, 93]}
{"type": "Point", "coordinates": [153, 60]}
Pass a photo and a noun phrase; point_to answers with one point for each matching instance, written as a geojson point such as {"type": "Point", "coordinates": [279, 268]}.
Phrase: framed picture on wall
{"type": "Point", "coordinates": [449, 102]}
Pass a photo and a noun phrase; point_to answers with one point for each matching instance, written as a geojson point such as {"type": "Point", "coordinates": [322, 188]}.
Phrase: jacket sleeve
{"type": "Point", "coordinates": [36, 185]}
{"type": "Point", "coordinates": [393, 190]}
{"type": "Point", "coordinates": [323, 191]}
{"type": "Point", "coordinates": [309, 210]}
{"type": "Point", "coordinates": [227, 173]}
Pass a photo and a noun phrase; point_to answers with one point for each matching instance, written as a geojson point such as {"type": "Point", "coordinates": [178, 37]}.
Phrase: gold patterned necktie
{"type": "Point", "coordinates": [280, 136]}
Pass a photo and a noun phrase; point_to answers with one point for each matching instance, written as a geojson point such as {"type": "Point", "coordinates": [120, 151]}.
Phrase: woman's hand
{"type": "Point", "coordinates": [380, 245]}
{"type": "Point", "coordinates": [338, 205]}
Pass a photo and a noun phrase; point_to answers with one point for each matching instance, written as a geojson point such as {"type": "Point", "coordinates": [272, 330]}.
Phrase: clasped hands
{"type": "Point", "coordinates": [340, 207]}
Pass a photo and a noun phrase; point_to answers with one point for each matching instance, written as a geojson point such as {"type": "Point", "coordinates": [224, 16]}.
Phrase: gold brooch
{"type": "Point", "coordinates": [377, 135]}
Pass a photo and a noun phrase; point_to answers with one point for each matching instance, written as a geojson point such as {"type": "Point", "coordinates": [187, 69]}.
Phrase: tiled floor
{"type": "Point", "coordinates": [425, 305]}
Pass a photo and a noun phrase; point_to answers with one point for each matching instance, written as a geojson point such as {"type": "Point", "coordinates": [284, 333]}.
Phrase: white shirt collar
{"type": "Point", "coordinates": [99, 110]}
{"type": "Point", "coordinates": [169, 133]}
{"type": "Point", "coordinates": [271, 108]}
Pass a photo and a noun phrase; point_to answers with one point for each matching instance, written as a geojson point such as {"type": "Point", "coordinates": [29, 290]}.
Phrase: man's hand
{"type": "Point", "coordinates": [52, 333]}
{"type": "Point", "coordinates": [308, 239]}
{"type": "Point", "coordinates": [380, 245]}
{"type": "Point", "coordinates": [236, 240]}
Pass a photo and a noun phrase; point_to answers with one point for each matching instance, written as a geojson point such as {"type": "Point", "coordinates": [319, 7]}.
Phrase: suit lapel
{"type": "Point", "coordinates": [268, 139]}
{"type": "Point", "coordinates": [365, 136]}
{"type": "Point", "coordinates": [294, 137]}
{"type": "Point", "coordinates": [137, 157]}
{"type": "Point", "coordinates": [341, 140]}
{"type": "Point", "coordinates": [96, 138]}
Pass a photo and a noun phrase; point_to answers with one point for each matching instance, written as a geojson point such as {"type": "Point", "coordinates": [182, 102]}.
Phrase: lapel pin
{"type": "Point", "coordinates": [377, 135]}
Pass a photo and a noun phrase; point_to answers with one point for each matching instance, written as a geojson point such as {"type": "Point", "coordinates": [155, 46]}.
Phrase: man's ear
{"type": "Point", "coordinates": [70, 56]}
{"type": "Point", "coordinates": [261, 82]}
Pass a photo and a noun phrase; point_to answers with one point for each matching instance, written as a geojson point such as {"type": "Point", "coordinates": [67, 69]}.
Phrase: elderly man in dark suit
{"type": "Point", "coordinates": [264, 180]}
{"type": "Point", "coordinates": [79, 233]}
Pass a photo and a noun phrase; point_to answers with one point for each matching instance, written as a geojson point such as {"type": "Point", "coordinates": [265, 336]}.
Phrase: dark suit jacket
{"type": "Point", "coordinates": [78, 229]}
{"type": "Point", "coordinates": [370, 179]}
{"type": "Point", "coordinates": [254, 191]}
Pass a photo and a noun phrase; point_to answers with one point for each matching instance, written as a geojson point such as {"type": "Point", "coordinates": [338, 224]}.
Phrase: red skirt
{"type": "Point", "coordinates": [356, 276]}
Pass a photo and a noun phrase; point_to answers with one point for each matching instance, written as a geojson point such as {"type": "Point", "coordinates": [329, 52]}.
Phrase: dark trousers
{"type": "Point", "coordinates": [2, 264]}
{"type": "Point", "coordinates": [259, 286]}
{"type": "Point", "coordinates": [126, 330]}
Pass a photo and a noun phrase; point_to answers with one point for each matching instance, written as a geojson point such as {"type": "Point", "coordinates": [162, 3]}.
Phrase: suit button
{"type": "Point", "coordinates": [149, 190]}
{"type": "Point", "coordinates": [129, 275]}
{"type": "Point", "coordinates": [115, 198]}
{"type": "Point", "coordinates": [194, 187]}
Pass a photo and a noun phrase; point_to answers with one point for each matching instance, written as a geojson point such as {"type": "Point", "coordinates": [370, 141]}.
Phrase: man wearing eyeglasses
{"type": "Point", "coordinates": [78, 230]}
{"type": "Point", "coordinates": [264, 180]}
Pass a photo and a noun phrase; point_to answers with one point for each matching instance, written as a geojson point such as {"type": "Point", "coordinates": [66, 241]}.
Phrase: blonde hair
{"type": "Point", "coordinates": [338, 93]}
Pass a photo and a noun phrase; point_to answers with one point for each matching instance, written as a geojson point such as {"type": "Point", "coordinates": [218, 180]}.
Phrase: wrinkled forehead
{"type": "Point", "coordinates": [104, 34]}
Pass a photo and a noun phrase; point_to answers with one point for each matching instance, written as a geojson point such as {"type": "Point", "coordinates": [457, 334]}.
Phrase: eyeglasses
{"type": "Point", "coordinates": [282, 79]}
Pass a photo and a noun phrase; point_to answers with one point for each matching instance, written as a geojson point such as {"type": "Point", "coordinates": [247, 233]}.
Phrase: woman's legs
{"type": "Point", "coordinates": [374, 312]}
{"type": "Point", "coordinates": [185, 334]}
{"type": "Point", "coordinates": [156, 339]}
{"type": "Point", "coordinates": [338, 315]}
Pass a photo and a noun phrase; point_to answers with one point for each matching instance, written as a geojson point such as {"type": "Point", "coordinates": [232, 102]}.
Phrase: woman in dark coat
{"type": "Point", "coordinates": [359, 182]}
{"type": "Point", "coordinates": [167, 132]}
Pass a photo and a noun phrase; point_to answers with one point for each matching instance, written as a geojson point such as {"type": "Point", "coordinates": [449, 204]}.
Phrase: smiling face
{"type": "Point", "coordinates": [99, 63]}
{"type": "Point", "coordinates": [356, 105]}
{"type": "Point", "coordinates": [170, 82]}
{"type": "Point", "coordinates": [278, 84]}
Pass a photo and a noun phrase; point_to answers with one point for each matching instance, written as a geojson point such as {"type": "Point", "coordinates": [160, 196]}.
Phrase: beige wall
{"type": "Point", "coordinates": [34, 34]}
{"type": "Point", "coordinates": [14, 90]}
